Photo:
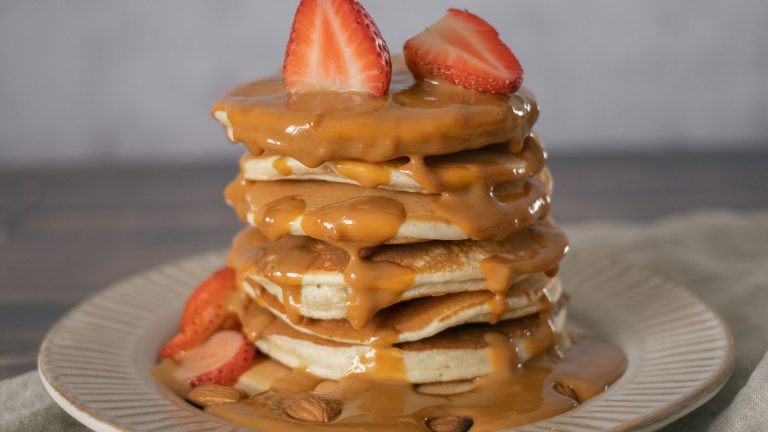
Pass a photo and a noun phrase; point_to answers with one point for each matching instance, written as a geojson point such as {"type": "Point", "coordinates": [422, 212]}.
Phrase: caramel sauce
{"type": "Point", "coordinates": [353, 225]}
{"type": "Point", "coordinates": [276, 218]}
{"type": "Point", "coordinates": [366, 174]}
{"type": "Point", "coordinates": [500, 272]}
{"type": "Point", "coordinates": [481, 211]}
{"type": "Point", "coordinates": [235, 195]}
{"type": "Point", "coordinates": [378, 283]}
{"type": "Point", "coordinates": [457, 171]}
{"type": "Point", "coordinates": [287, 270]}
{"type": "Point", "coordinates": [391, 323]}
{"type": "Point", "coordinates": [415, 119]}
{"type": "Point", "coordinates": [518, 394]}
{"type": "Point", "coordinates": [382, 361]}
{"type": "Point", "coordinates": [434, 174]}
{"type": "Point", "coordinates": [255, 320]}
{"type": "Point", "coordinates": [485, 199]}
{"type": "Point", "coordinates": [281, 165]}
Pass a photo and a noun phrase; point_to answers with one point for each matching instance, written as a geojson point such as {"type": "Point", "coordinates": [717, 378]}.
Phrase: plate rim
{"type": "Point", "coordinates": [662, 416]}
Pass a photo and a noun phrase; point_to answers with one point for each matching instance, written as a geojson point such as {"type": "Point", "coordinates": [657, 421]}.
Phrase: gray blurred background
{"type": "Point", "coordinates": [86, 81]}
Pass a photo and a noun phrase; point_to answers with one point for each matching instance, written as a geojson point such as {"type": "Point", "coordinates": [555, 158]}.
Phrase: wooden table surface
{"type": "Point", "coordinates": [66, 234]}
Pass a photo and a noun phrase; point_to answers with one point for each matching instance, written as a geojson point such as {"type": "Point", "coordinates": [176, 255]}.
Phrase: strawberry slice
{"type": "Point", "coordinates": [204, 313]}
{"type": "Point", "coordinates": [335, 45]}
{"type": "Point", "coordinates": [220, 360]}
{"type": "Point", "coordinates": [464, 50]}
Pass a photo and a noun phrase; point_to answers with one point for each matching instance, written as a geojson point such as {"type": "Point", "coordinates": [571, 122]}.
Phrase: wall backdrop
{"type": "Point", "coordinates": [86, 81]}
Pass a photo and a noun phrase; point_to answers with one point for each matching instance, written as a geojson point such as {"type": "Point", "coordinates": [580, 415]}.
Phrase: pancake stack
{"type": "Point", "coordinates": [404, 237]}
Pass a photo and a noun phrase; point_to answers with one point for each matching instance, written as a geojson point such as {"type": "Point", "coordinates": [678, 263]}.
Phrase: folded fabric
{"type": "Point", "coordinates": [27, 407]}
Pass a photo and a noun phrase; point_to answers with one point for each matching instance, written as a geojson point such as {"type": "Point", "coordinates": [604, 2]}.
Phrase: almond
{"type": "Point", "coordinates": [310, 408]}
{"type": "Point", "coordinates": [214, 394]}
{"type": "Point", "coordinates": [565, 390]}
{"type": "Point", "coordinates": [449, 423]}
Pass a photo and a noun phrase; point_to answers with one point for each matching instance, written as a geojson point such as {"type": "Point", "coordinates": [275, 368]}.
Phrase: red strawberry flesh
{"type": "Point", "coordinates": [335, 45]}
{"type": "Point", "coordinates": [220, 360]}
{"type": "Point", "coordinates": [204, 313]}
{"type": "Point", "coordinates": [213, 290]}
{"type": "Point", "coordinates": [465, 50]}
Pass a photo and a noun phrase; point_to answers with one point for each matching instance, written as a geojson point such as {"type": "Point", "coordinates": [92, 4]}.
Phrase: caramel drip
{"type": "Point", "coordinates": [363, 222]}
{"type": "Point", "coordinates": [383, 360]}
{"type": "Point", "coordinates": [533, 250]}
{"type": "Point", "coordinates": [502, 353]}
{"type": "Point", "coordinates": [236, 195]}
{"type": "Point", "coordinates": [255, 320]}
{"type": "Point", "coordinates": [487, 205]}
{"type": "Point", "coordinates": [276, 218]}
{"type": "Point", "coordinates": [246, 252]}
{"type": "Point", "coordinates": [448, 173]}
{"type": "Point", "coordinates": [542, 336]}
{"type": "Point", "coordinates": [416, 314]}
{"type": "Point", "coordinates": [483, 214]}
{"type": "Point", "coordinates": [375, 285]}
{"type": "Point", "coordinates": [583, 368]}
{"type": "Point", "coordinates": [517, 396]}
{"type": "Point", "coordinates": [428, 178]}
{"type": "Point", "coordinates": [236, 304]}
{"type": "Point", "coordinates": [287, 270]}
{"type": "Point", "coordinates": [353, 225]}
{"type": "Point", "coordinates": [416, 118]}
{"type": "Point", "coordinates": [282, 166]}
{"type": "Point", "coordinates": [500, 272]}
{"type": "Point", "coordinates": [437, 174]}
{"type": "Point", "coordinates": [366, 174]}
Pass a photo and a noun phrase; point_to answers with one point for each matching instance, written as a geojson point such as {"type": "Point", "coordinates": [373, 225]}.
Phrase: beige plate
{"type": "Point", "coordinates": [95, 361]}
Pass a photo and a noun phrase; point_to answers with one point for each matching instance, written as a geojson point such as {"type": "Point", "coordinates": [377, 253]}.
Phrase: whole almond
{"type": "Point", "coordinates": [309, 408]}
{"type": "Point", "coordinates": [449, 423]}
{"type": "Point", "coordinates": [213, 394]}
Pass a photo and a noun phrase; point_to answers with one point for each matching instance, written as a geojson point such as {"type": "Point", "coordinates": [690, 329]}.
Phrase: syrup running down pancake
{"type": "Point", "coordinates": [426, 316]}
{"type": "Point", "coordinates": [416, 119]}
{"type": "Point", "coordinates": [320, 273]}
{"type": "Point", "coordinates": [454, 354]}
{"type": "Point", "coordinates": [478, 212]}
{"type": "Point", "coordinates": [438, 173]}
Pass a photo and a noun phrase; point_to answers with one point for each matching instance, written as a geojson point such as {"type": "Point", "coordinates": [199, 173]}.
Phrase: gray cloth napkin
{"type": "Point", "coordinates": [721, 255]}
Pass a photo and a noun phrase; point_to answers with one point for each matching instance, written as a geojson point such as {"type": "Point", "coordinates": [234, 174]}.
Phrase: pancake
{"type": "Point", "coordinates": [293, 207]}
{"type": "Point", "coordinates": [320, 287]}
{"type": "Point", "coordinates": [457, 353]}
{"type": "Point", "coordinates": [424, 317]}
{"type": "Point", "coordinates": [415, 119]}
{"type": "Point", "coordinates": [437, 174]}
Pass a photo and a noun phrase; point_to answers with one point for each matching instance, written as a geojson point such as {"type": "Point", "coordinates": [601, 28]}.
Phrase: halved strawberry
{"type": "Point", "coordinates": [204, 313]}
{"type": "Point", "coordinates": [220, 360]}
{"type": "Point", "coordinates": [335, 45]}
{"type": "Point", "coordinates": [464, 50]}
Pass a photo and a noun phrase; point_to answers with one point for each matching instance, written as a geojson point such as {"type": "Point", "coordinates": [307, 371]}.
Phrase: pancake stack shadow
{"type": "Point", "coordinates": [425, 268]}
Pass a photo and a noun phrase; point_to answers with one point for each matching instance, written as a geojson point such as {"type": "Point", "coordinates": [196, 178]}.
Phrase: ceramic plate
{"type": "Point", "coordinates": [95, 361]}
